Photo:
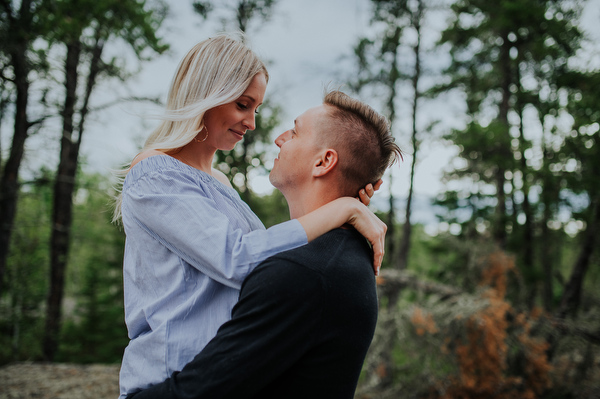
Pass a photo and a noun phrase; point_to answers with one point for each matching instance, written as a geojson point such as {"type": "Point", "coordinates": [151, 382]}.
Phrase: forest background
{"type": "Point", "coordinates": [490, 282]}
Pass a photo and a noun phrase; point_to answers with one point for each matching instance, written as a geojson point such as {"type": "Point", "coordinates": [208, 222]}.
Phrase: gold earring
{"type": "Point", "coordinates": [205, 137]}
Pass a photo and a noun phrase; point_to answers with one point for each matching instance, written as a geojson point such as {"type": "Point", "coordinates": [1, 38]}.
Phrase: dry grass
{"type": "Point", "coordinates": [59, 381]}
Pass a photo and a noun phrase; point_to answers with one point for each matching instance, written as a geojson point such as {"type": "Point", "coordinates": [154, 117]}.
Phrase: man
{"type": "Point", "coordinates": [306, 317]}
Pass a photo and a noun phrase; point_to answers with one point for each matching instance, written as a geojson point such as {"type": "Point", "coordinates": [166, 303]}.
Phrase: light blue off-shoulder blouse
{"type": "Point", "coordinates": [190, 243]}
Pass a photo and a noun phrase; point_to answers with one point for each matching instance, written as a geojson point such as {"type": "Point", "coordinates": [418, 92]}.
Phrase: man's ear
{"type": "Point", "coordinates": [325, 163]}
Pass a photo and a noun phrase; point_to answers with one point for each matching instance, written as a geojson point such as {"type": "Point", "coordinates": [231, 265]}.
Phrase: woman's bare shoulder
{"type": "Point", "coordinates": [145, 154]}
{"type": "Point", "coordinates": [220, 176]}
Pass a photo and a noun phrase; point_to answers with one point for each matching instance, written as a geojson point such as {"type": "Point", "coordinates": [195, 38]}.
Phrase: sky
{"type": "Point", "coordinates": [303, 45]}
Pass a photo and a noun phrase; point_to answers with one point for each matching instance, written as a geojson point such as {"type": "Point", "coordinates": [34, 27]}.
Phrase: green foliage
{"type": "Point", "coordinates": [479, 343]}
{"type": "Point", "coordinates": [244, 12]}
{"type": "Point", "coordinates": [94, 329]}
{"type": "Point", "coordinates": [272, 209]}
{"type": "Point", "coordinates": [518, 181]}
{"type": "Point", "coordinates": [21, 305]}
{"type": "Point", "coordinates": [134, 21]}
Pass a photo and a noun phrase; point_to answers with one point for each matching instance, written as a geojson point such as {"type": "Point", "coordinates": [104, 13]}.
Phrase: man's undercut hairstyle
{"type": "Point", "coordinates": [362, 138]}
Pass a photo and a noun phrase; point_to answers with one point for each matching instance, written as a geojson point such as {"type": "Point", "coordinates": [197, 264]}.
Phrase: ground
{"type": "Point", "coordinates": [59, 381]}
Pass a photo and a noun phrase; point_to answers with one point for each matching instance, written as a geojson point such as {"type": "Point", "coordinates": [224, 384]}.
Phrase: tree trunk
{"type": "Point", "coordinates": [393, 77]}
{"type": "Point", "coordinates": [548, 252]}
{"type": "Point", "coordinates": [9, 182]}
{"type": "Point", "coordinates": [404, 250]}
{"type": "Point", "coordinates": [61, 216]}
{"type": "Point", "coordinates": [528, 227]}
{"type": "Point", "coordinates": [390, 237]}
{"type": "Point", "coordinates": [502, 151]}
{"type": "Point", "coordinates": [571, 297]}
{"type": "Point", "coordinates": [65, 186]}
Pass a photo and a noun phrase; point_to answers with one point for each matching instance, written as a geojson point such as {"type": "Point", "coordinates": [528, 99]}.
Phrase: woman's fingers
{"type": "Point", "coordinates": [379, 247]}
{"type": "Point", "coordinates": [365, 194]}
{"type": "Point", "coordinates": [378, 184]}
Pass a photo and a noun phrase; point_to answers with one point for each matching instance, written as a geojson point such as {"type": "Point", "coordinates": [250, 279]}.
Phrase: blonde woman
{"type": "Point", "coordinates": [191, 241]}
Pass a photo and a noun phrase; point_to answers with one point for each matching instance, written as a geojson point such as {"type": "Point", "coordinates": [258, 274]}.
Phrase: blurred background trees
{"type": "Point", "coordinates": [500, 299]}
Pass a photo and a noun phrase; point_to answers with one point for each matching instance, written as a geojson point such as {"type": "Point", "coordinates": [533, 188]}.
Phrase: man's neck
{"type": "Point", "coordinates": [302, 202]}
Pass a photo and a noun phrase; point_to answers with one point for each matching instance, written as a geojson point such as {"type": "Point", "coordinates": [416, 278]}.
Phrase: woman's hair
{"type": "Point", "coordinates": [214, 72]}
{"type": "Point", "coordinates": [363, 138]}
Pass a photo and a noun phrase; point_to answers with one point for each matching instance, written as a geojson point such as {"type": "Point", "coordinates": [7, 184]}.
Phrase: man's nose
{"type": "Point", "coordinates": [283, 137]}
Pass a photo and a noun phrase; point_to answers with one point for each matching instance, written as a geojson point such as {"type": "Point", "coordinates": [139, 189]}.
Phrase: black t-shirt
{"type": "Point", "coordinates": [301, 329]}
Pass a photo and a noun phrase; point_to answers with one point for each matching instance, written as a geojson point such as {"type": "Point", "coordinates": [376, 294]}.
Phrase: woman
{"type": "Point", "coordinates": [190, 239]}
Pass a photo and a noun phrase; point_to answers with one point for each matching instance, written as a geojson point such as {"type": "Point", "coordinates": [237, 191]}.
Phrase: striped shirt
{"type": "Point", "coordinates": [190, 243]}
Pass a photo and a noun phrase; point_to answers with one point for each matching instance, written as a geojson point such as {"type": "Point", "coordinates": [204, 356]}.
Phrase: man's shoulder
{"type": "Point", "coordinates": [339, 245]}
{"type": "Point", "coordinates": [337, 238]}
{"type": "Point", "coordinates": [338, 252]}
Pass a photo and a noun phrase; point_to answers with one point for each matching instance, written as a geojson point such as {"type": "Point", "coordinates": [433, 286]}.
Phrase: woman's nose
{"type": "Point", "coordinates": [250, 123]}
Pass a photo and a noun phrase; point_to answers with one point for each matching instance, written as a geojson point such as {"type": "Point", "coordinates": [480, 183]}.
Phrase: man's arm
{"type": "Point", "coordinates": [272, 326]}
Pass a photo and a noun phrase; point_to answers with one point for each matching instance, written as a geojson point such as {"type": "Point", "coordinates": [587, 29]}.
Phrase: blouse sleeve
{"type": "Point", "coordinates": [174, 209]}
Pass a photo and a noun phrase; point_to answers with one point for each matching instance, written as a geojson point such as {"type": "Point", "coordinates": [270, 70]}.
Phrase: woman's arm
{"type": "Point", "coordinates": [170, 206]}
{"type": "Point", "coordinates": [347, 210]}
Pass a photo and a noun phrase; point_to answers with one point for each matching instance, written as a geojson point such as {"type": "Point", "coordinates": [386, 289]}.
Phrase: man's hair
{"type": "Point", "coordinates": [362, 138]}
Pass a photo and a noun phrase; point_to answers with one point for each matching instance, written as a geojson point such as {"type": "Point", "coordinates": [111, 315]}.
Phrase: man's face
{"type": "Point", "coordinates": [298, 150]}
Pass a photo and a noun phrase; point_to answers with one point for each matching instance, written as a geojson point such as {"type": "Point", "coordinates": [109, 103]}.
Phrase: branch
{"type": "Point", "coordinates": [38, 120]}
{"type": "Point", "coordinates": [4, 77]}
{"type": "Point", "coordinates": [569, 329]}
{"type": "Point", "coordinates": [153, 100]}
{"type": "Point", "coordinates": [395, 280]}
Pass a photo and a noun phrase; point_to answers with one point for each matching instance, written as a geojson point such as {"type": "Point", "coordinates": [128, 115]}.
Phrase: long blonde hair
{"type": "Point", "coordinates": [214, 72]}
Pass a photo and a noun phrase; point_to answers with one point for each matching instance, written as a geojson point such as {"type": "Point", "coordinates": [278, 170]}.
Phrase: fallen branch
{"type": "Point", "coordinates": [391, 280]}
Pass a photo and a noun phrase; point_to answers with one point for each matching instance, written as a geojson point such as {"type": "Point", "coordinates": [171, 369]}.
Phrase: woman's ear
{"type": "Point", "coordinates": [325, 163]}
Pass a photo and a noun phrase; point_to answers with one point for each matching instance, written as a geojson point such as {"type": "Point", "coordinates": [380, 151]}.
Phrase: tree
{"type": "Point", "coordinates": [249, 155]}
{"type": "Point", "coordinates": [506, 58]}
{"type": "Point", "coordinates": [381, 68]}
{"type": "Point", "coordinates": [95, 330]}
{"type": "Point", "coordinates": [18, 30]}
{"type": "Point", "coordinates": [26, 273]}
{"type": "Point", "coordinates": [378, 65]}
{"type": "Point", "coordinates": [84, 29]}
{"type": "Point", "coordinates": [416, 11]}
{"type": "Point", "coordinates": [583, 148]}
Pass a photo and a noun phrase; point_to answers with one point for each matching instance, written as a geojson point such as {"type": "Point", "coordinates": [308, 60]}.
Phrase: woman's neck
{"type": "Point", "coordinates": [196, 155]}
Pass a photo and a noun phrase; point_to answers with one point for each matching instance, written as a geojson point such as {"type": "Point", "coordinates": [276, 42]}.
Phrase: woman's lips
{"type": "Point", "coordinates": [237, 133]}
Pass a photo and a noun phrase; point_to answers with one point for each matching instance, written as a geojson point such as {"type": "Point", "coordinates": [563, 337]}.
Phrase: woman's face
{"type": "Point", "coordinates": [228, 123]}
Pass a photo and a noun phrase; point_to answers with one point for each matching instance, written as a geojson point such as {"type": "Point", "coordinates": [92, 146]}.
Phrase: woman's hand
{"type": "Point", "coordinates": [347, 210]}
{"type": "Point", "coordinates": [372, 228]}
{"type": "Point", "coordinates": [365, 194]}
